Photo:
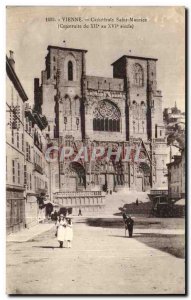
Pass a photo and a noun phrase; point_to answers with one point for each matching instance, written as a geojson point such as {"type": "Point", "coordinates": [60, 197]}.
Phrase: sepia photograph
{"type": "Point", "coordinates": [95, 150]}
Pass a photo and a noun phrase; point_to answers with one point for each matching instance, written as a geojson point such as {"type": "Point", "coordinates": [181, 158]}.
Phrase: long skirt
{"type": "Point", "coordinates": [69, 234]}
{"type": "Point", "coordinates": [61, 234]}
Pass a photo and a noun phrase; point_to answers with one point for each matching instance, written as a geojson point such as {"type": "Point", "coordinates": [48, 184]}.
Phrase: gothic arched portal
{"type": "Point", "coordinates": [145, 169]}
{"type": "Point", "coordinates": [77, 171]}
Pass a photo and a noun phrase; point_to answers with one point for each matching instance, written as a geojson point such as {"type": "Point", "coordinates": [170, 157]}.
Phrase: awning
{"type": "Point", "coordinates": [49, 202]}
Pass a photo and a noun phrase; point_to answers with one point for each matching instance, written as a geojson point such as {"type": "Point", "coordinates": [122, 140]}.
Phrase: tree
{"type": "Point", "coordinates": [176, 139]}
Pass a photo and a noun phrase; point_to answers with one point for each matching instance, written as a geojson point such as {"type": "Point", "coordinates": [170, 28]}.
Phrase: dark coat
{"type": "Point", "coordinates": [129, 223]}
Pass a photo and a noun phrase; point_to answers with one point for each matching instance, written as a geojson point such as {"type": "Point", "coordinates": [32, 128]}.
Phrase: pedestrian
{"type": "Point", "coordinates": [55, 215]}
{"type": "Point", "coordinates": [61, 230]}
{"type": "Point", "coordinates": [69, 232]}
{"type": "Point", "coordinates": [124, 215]}
{"type": "Point", "coordinates": [129, 225]}
{"type": "Point", "coordinates": [57, 221]}
{"type": "Point", "coordinates": [52, 216]}
{"type": "Point", "coordinates": [80, 212]}
{"type": "Point", "coordinates": [137, 202]}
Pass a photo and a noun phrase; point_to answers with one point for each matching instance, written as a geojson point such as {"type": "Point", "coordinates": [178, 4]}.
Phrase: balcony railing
{"type": "Point", "coordinates": [79, 194]}
{"type": "Point", "coordinates": [88, 200]}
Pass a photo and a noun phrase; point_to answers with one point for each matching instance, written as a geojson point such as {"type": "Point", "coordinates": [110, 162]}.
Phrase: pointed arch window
{"type": "Point", "coordinates": [138, 75]}
{"type": "Point", "coordinates": [70, 71]}
{"type": "Point", "coordinates": [77, 105]}
{"type": "Point", "coordinates": [106, 117]}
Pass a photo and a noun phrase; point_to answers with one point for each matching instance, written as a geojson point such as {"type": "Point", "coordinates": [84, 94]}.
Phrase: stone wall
{"type": "Point", "coordinates": [88, 202]}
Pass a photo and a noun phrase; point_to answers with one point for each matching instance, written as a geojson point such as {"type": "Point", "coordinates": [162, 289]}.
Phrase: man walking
{"type": "Point", "coordinates": [129, 223]}
{"type": "Point", "coordinates": [124, 215]}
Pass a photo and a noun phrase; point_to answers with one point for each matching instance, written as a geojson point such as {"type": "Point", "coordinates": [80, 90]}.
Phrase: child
{"type": "Point", "coordinates": [69, 232]}
{"type": "Point", "coordinates": [61, 230]}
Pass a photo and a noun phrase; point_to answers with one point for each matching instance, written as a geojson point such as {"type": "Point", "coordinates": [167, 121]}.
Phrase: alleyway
{"type": "Point", "coordinates": [101, 261]}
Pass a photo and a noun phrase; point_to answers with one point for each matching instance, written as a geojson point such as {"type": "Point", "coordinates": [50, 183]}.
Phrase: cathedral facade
{"type": "Point", "coordinates": [123, 111]}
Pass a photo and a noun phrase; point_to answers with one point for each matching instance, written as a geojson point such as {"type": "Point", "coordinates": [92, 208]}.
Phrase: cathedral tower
{"type": "Point", "coordinates": [62, 90]}
{"type": "Point", "coordinates": [143, 100]}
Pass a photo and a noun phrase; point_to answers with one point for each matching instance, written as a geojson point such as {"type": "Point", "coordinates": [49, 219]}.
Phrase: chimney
{"type": "Point", "coordinates": [11, 59]}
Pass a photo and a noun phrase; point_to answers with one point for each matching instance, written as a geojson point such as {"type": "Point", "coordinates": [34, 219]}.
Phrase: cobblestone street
{"type": "Point", "coordinates": [101, 261]}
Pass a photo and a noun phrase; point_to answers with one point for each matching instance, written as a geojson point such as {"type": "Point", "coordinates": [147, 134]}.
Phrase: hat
{"type": "Point", "coordinates": [61, 215]}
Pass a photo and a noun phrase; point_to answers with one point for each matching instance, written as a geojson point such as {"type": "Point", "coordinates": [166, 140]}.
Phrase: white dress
{"type": "Point", "coordinates": [61, 230]}
{"type": "Point", "coordinates": [69, 232]}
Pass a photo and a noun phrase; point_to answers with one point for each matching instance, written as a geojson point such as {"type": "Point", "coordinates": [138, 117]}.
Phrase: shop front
{"type": "Point", "coordinates": [15, 209]}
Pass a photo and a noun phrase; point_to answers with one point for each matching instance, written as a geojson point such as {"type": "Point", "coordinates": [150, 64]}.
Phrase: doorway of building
{"type": "Point", "coordinates": [77, 176]}
{"type": "Point", "coordinates": [145, 170]}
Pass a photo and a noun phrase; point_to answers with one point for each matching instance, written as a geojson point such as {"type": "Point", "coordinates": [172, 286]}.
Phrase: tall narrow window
{"type": "Point", "coordinates": [118, 125]}
{"type": "Point", "coordinates": [138, 75]}
{"type": "Point", "coordinates": [70, 71]}
{"type": "Point", "coordinates": [30, 182]}
{"type": "Point", "coordinates": [13, 170]}
{"type": "Point", "coordinates": [23, 142]}
{"type": "Point", "coordinates": [98, 124]}
{"type": "Point", "coordinates": [155, 131]}
{"type": "Point", "coordinates": [114, 125]}
{"type": "Point", "coordinates": [94, 124]}
{"type": "Point", "coordinates": [19, 174]}
{"type": "Point", "coordinates": [27, 185]}
{"type": "Point", "coordinates": [110, 125]}
{"type": "Point", "coordinates": [27, 151]}
{"type": "Point", "coordinates": [102, 124]}
{"type": "Point", "coordinates": [25, 175]}
{"type": "Point", "coordinates": [13, 140]}
{"type": "Point", "coordinates": [17, 139]}
{"type": "Point", "coordinates": [106, 125]}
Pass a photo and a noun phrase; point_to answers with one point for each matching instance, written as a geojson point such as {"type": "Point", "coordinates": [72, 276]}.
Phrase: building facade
{"type": "Point", "coordinates": [123, 111]}
{"type": "Point", "coordinates": [176, 177]}
{"type": "Point", "coordinates": [173, 115]}
{"type": "Point", "coordinates": [27, 170]}
{"type": "Point", "coordinates": [36, 167]}
{"type": "Point", "coordinates": [31, 206]}
{"type": "Point", "coordinates": [41, 167]}
{"type": "Point", "coordinates": [15, 150]}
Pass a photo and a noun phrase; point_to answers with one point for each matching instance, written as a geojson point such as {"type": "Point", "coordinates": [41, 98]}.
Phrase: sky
{"type": "Point", "coordinates": [162, 36]}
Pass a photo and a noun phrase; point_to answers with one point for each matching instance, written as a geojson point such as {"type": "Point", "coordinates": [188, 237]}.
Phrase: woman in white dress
{"type": "Point", "coordinates": [69, 231]}
{"type": "Point", "coordinates": [61, 230]}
